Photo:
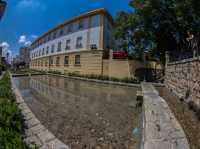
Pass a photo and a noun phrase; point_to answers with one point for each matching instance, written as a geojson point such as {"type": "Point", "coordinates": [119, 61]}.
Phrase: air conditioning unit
{"type": "Point", "coordinates": [93, 46]}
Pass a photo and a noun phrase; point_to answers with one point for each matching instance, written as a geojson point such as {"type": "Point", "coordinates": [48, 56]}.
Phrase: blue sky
{"type": "Point", "coordinates": [24, 20]}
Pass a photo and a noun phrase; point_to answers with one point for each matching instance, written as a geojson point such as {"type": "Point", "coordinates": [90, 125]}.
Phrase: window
{"type": "Point", "coordinates": [81, 24]}
{"type": "Point", "coordinates": [70, 28]}
{"type": "Point", "coordinates": [52, 48]}
{"type": "Point", "coordinates": [66, 60]}
{"type": "Point", "coordinates": [43, 51]}
{"type": "Point", "coordinates": [58, 61]}
{"type": "Point", "coordinates": [47, 51]}
{"type": "Point", "coordinates": [51, 60]}
{"type": "Point", "coordinates": [39, 52]}
{"type": "Point", "coordinates": [108, 26]}
{"type": "Point", "coordinates": [67, 45]}
{"type": "Point", "coordinates": [59, 46]}
{"type": "Point", "coordinates": [77, 60]}
{"type": "Point", "coordinates": [46, 39]}
{"type": "Point", "coordinates": [61, 32]}
{"type": "Point", "coordinates": [49, 37]}
{"type": "Point", "coordinates": [79, 42]}
{"type": "Point", "coordinates": [46, 63]}
{"type": "Point", "coordinates": [54, 35]}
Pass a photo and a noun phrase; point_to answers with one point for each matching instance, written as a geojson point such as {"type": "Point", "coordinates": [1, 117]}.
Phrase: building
{"type": "Point", "coordinates": [16, 59]}
{"type": "Point", "coordinates": [1, 52]}
{"type": "Point", "coordinates": [83, 45]}
{"type": "Point", "coordinates": [24, 55]}
{"type": "Point", "coordinates": [78, 45]}
{"type": "Point", "coordinates": [2, 8]}
{"type": "Point", "coordinates": [5, 55]}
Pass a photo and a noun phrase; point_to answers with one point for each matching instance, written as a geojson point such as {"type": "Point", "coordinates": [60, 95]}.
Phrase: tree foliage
{"type": "Point", "coordinates": [157, 25]}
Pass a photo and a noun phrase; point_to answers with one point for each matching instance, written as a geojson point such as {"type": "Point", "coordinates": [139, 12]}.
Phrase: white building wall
{"type": "Point", "coordinates": [94, 38]}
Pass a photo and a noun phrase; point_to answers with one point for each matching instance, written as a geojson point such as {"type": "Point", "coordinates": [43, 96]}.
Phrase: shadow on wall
{"type": "Point", "coordinates": [149, 74]}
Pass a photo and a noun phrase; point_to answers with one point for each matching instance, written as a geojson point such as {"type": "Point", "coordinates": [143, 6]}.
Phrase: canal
{"type": "Point", "coordinates": [84, 114]}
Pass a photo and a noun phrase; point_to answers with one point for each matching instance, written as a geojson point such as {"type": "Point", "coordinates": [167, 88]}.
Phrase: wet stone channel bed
{"type": "Point", "coordinates": [84, 114]}
{"type": "Point", "coordinates": [185, 116]}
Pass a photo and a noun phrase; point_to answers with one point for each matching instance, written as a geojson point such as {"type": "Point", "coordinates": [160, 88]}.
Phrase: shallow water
{"type": "Point", "coordinates": [84, 114]}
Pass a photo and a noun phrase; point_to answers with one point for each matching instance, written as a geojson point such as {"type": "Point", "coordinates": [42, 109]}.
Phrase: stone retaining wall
{"type": "Point", "coordinates": [35, 132]}
{"type": "Point", "coordinates": [183, 77]}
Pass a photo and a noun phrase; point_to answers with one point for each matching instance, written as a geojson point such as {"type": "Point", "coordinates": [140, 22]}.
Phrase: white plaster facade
{"type": "Point", "coordinates": [89, 30]}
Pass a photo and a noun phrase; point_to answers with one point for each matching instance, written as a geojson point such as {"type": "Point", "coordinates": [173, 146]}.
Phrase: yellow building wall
{"type": "Point", "coordinates": [90, 63]}
{"type": "Point", "coordinates": [120, 68]}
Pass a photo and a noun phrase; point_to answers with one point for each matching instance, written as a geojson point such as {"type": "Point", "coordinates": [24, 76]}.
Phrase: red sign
{"type": "Point", "coordinates": [120, 54]}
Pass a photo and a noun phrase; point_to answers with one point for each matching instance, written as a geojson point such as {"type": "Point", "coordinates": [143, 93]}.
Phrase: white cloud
{"type": "Point", "coordinates": [33, 4]}
{"type": "Point", "coordinates": [5, 45]}
{"type": "Point", "coordinates": [27, 43]}
{"type": "Point", "coordinates": [34, 36]}
{"type": "Point", "coordinates": [23, 40]}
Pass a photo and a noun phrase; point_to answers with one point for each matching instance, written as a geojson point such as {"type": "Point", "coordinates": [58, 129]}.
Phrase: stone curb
{"type": "Point", "coordinates": [107, 82]}
{"type": "Point", "coordinates": [161, 130]}
{"type": "Point", "coordinates": [35, 132]}
{"type": "Point", "coordinates": [25, 74]}
{"type": "Point", "coordinates": [97, 81]}
{"type": "Point", "coordinates": [184, 61]}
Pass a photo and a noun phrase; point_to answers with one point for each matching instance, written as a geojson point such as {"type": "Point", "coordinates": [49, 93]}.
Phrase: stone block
{"type": "Point", "coordinates": [45, 136]}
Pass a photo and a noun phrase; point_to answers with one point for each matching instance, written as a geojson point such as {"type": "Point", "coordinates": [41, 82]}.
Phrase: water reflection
{"type": "Point", "coordinates": [83, 113]}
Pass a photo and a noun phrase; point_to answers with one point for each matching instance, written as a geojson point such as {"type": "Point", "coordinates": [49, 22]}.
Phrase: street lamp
{"type": "Point", "coordinates": [2, 8]}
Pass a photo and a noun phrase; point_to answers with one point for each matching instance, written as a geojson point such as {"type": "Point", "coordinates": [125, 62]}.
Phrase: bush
{"type": "Point", "coordinates": [129, 80]}
{"type": "Point", "coordinates": [54, 72]}
{"type": "Point", "coordinates": [11, 124]}
{"type": "Point", "coordinates": [101, 77]}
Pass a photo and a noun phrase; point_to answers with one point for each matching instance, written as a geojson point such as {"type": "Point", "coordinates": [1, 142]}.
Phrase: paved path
{"type": "Point", "coordinates": [161, 130]}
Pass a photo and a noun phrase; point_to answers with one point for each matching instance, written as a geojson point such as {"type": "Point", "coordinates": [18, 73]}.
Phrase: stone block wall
{"type": "Point", "coordinates": [184, 77]}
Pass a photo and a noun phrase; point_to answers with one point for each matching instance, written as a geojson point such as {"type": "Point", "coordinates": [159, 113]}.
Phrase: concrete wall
{"type": "Point", "coordinates": [121, 68]}
{"type": "Point", "coordinates": [182, 76]}
{"type": "Point", "coordinates": [116, 68]}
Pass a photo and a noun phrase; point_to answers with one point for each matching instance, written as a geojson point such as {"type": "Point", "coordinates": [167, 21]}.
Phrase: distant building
{"type": "Point", "coordinates": [1, 51]}
{"type": "Point", "coordinates": [5, 55]}
{"type": "Point", "coordinates": [24, 55]}
{"type": "Point", "coordinates": [16, 59]}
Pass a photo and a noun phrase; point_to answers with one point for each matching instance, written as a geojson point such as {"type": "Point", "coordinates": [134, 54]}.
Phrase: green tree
{"type": "Point", "coordinates": [157, 25]}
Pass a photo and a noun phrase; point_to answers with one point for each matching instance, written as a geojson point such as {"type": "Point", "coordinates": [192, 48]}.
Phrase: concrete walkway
{"type": "Point", "coordinates": [161, 130]}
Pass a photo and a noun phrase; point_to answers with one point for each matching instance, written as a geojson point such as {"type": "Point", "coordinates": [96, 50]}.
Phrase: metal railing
{"type": "Point", "coordinates": [187, 50]}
